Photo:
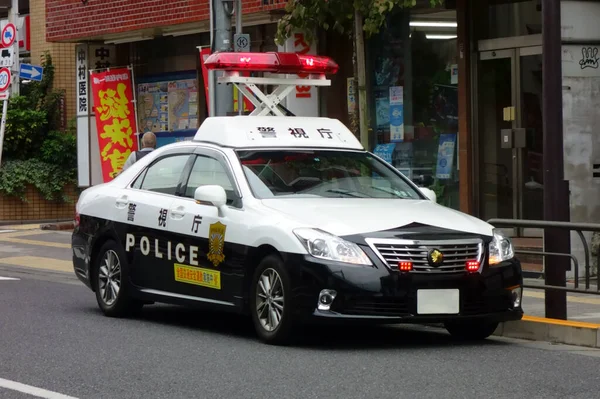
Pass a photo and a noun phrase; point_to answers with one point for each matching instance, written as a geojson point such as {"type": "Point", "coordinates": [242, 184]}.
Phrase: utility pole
{"type": "Point", "coordinates": [556, 189]}
{"type": "Point", "coordinates": [13, 17]}
{"type": "Point", "coordinates": [361, 80]}
{"type": "Point", "coordinates": [238, 30]}
{"type": "Point", "coordinates": [223, 11]}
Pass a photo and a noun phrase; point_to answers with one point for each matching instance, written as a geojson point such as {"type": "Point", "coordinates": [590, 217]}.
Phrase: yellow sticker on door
{"type": "Point", "coordinates": [198, 276]}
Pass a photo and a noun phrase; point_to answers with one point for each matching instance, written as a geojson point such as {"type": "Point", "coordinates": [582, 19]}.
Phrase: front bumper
{"type": "Point", "coordinates": [379, 295]}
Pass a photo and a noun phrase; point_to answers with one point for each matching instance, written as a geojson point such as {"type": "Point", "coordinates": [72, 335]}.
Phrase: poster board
{"type": "Point", "coordinates": [168, 102]}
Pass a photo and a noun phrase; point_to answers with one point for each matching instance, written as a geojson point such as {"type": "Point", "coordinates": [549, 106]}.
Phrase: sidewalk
{"type": "Point", "coordinates": [580, 307]}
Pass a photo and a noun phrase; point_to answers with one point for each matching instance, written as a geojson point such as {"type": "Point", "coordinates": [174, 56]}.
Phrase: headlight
{"type": "Point", "coordinates": [501, 248]}
{"type": "Point", "coordinates": [323, 245]}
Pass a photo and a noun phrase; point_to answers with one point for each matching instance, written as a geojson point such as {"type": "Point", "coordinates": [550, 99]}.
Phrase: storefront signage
{"type": "Point", "coordinates": [112, 92]}
{"type": "Point", "coordinates": [351, 88]}
{"type": "Point", "coordinates": [81, 105]}
{"type": "Point", "coordinates": [81, 70]}
{"type": "Point", "coordinates": [385, 151]}
{"type": "Point", "coordinates": [445, 161]}
{"type": "Point", "coordinates": [396, 114]}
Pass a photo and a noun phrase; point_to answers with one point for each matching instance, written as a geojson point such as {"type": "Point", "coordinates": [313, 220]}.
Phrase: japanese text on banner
{"type": "Point", "coordinates": [115, 119]}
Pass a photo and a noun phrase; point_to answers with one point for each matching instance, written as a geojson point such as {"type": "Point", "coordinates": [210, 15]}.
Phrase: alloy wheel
{"type": "Point", "coordinates": [109, 277]}
{"type": "Point", "coordinates": [269, 299]}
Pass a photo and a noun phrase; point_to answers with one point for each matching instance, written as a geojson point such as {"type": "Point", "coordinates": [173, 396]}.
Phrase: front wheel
{"type": "Point", "coordinates": [471, 331]}
{"type": "Point", "coordinates": [271, 301]}
{"type": "Point", "coordinates": [111, 275]}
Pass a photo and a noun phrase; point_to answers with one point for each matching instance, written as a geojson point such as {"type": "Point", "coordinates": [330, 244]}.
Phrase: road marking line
{"type": "Point", "coordinates": [570, 298]}
{"type": "Point", "coordinates": [7, 231]}
{"type": "Point", "coordinates": [8, 278]}
{"type": "Point", "coordinates": [35, 242]}
{"type": "Point", "coordinates": [34, 391]}
{"type": "Point", "coordinates": [23, 233]}
{"type": "Point", "coordinates": [37, 262]}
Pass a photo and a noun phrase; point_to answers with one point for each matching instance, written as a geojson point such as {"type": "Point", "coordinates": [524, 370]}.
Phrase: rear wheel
{"type": "Point", "coordinates": [271, 301]}
{"type": "Point", "coordinates": [471, 331]}
{"type": "Point", "coordinates": [111, 276]}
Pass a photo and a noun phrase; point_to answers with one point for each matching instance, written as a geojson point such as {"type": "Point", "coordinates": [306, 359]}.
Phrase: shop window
{"type": "Point", "coordinates": [414, 97]}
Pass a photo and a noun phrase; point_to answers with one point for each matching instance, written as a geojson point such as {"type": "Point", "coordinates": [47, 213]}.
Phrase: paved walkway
{"type": "Point", "coordinates": [28, 247]}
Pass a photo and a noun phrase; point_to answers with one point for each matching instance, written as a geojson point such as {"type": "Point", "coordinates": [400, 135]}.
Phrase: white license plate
{"type": "Point", "coordinates": [438, 301]}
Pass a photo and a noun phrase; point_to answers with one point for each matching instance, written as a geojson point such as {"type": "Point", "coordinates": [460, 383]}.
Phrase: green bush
{"type": "Point", "coordinates": [49, 179]}
{"type": "Point", "coordinates": [25, 129]}
{"type": "Point", "coordinates": [60, 148]}
{"type": "Point", "coordinates": [35, 151]}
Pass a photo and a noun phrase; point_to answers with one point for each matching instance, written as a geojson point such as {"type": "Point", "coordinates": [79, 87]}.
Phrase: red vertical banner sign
{"type": "Point", "coordinates": [204, 53]}
{"type": "Point", "coordinates": [115, 119]}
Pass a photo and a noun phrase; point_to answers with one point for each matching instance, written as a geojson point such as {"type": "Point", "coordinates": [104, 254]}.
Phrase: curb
{"type": "Point", "coordinates": [58, 226]}
{"type": "Point", "coordinates": [552, 330]}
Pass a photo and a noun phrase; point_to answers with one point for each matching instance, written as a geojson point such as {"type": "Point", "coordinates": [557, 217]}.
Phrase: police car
{"type": "Point", "coordinates": [290, 220]}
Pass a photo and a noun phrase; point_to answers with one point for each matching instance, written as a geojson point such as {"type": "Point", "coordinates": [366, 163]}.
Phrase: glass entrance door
{"type": "Point", "coordinates": [509, 125]}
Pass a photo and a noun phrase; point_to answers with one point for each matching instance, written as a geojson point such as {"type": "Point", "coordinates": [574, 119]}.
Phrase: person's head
{"type": "Point", "coordinates": [149, 140]}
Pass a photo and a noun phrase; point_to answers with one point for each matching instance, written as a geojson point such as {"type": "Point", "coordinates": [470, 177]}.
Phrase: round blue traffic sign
{"type": "Point", "coordinates": [9, 34]}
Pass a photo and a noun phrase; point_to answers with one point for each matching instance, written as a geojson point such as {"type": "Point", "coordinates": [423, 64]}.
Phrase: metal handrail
{"type": "Point", "coordinates": [579, 228]}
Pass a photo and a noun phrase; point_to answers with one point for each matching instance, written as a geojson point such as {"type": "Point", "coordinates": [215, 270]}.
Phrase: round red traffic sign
{"type": "Point", "coordinates": [9, 33]}
{"type": "Point", "coordinates": [4, 79]}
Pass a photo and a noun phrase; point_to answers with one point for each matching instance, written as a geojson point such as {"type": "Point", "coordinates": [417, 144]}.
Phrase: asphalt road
{"type": "Point", "coordinates": [54, 340]}
{"type": "Point", "coordinates": [53, 337]}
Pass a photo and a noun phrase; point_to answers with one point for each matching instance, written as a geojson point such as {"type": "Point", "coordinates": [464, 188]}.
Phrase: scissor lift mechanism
{"type": "Point", "coordinates": [268, 103]}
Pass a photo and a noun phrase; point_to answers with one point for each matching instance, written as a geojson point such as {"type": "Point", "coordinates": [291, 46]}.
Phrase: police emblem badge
{"type": "Point", "coordinates": [216, 243]}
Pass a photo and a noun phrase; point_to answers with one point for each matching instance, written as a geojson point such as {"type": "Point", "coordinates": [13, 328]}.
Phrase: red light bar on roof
{"type": "Point", "coordinates": [273, 62]}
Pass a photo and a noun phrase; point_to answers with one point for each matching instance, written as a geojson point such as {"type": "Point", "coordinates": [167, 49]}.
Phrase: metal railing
{"type": "Point", "coordinates": [579, 228]}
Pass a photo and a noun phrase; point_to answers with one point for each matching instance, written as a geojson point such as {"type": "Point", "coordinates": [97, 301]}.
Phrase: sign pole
{"type": "Point", "coordinates": [223, 11]}
{"type": "Point", "coordinates": [13, 18]}
{"type": "Point", "coordinates": [238, 31]}
{"type": "Point", "coordinates": [3, 126]}
{"type": "Point", "coordinates": [135, 109]}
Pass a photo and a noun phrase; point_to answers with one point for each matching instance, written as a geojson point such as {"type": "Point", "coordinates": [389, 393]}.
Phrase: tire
{"type": "Point", "coordinates": [281, 334]}
{"type": "Point", "coordinates": [121, 304]}
{"type": "Point", "coordinates": [471, 331]}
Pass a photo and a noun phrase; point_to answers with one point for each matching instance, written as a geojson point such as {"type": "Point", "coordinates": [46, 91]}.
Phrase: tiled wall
{"type": "Point", "coordinates": [37, 208]}
{"type": "Point", "coordinates": [70, 19]}
{"type": "Point", "coordinates": [63, 54]}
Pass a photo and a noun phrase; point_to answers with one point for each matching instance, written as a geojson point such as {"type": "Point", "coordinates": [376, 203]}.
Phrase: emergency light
{"type": "Point", "coordinates": [310, 71]}
{"type": "Point", "coordinates": [274, 62]}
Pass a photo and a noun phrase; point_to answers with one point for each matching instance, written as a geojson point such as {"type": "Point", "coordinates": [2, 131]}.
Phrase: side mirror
{"type": "Point", "coordinates": [429, 193]}
{"type": "Point", "coordinates": [211, 195]}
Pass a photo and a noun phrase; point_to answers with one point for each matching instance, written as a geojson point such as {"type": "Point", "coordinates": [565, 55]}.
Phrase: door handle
{"type": "Point", "coordinates": [177, 213]}
{"type": "Point", "coordinates": [122, 202]}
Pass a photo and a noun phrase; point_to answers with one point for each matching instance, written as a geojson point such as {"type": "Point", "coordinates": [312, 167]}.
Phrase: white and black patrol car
{"type": "Point", "coordinates": [290, 220]}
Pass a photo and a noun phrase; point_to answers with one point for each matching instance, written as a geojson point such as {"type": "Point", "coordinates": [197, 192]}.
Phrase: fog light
{"type": "Point", "coordinates": [326, 298]}
{"type": "Point", "coordinates": [517, 294]}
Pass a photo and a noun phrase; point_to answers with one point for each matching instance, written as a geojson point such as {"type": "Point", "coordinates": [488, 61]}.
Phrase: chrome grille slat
{"type": "Point", "coordinates": [456, 253]}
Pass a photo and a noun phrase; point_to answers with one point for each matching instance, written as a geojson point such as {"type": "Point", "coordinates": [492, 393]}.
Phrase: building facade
{"type": "Point", "coordinates": [454, 92]}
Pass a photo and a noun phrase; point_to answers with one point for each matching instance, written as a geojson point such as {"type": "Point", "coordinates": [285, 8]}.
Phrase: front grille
{"type": "Point", "coordinates": [456, 253]}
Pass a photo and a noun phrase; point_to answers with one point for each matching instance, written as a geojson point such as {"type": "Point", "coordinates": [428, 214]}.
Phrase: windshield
{"type": "Point", "coordinates": [322, 173]}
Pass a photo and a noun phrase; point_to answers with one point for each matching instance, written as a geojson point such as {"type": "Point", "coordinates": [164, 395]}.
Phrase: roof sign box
{"type": "Point", "coordinates": [276, 132]}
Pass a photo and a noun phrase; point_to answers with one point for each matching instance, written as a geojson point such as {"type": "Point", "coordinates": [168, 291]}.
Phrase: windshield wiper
{"type": "Point", "coordinates": [389, 191]}
{"type": "Point", "coordinates": [340, 191]}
